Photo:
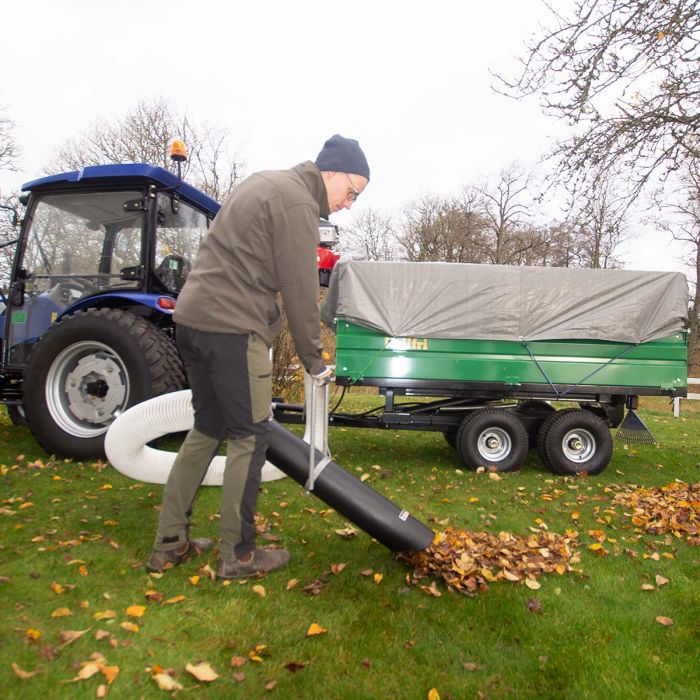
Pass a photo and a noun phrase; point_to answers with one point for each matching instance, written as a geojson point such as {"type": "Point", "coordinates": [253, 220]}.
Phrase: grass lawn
{"type": "Point", "coordinates": [75, 537]}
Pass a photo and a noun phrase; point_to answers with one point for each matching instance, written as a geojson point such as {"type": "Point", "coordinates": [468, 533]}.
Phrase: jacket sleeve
{"type": "Point", "coordinates": [295, 245]}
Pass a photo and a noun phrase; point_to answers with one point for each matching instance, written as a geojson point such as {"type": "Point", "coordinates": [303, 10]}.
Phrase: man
{"type": "Point", "coordinates": [262, 241]}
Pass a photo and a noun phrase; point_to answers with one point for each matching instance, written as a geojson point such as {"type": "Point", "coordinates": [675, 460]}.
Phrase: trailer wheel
{"type": "Point", "coordinates": [16, 414]}
{"type": "Point", "coordinates": [492, 438]}
{"type": "Point", "coordinates": [86, 370]}
{"type": "Point", "coordinates": [577, 441]}
{"type": "Point", "coordinates": [450, 437]}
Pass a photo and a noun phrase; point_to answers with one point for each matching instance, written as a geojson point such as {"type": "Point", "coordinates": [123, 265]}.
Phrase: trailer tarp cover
{"type": "Point", "coordinates": [497, 302]}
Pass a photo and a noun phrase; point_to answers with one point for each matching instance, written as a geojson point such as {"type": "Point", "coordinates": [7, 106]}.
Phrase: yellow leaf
{"type": "Point", "coordinates": [433, 694]}
{"type": "Point", "coordinates": [33, 634]}
{"type": "Point", "coordinates": [82, 570]}
{"type": "Point", "coordinates": [291, 583]}
{"type": "Point", "coordinates": [532, 584]}
{"type": "Point", "coordinates": [105, 615]}
{"type": "Point", "coordinates": [595, 546]}
{"type": "Point", "coordinates": [130, 626]}
{"type": "Point", "coordinates": [202, 672]}
{"type": "Point", "coordinates": [57, 588]}
{"type": "Point", "coordinates": [109, 672]}
{"type": "Point", "coordinates": [378, 578]}
{"type": "Point", "coordinates": [61, 612]}
{"type": "Point", "coordinates": [660, 36]}
{"type": "Point", "coordinates": [364, 477]}
{"type": "Point", "coordinates": [648, 587]}
{"type": "Point", "coordinates": [315, 629]}
{"type": "Point", "coordinates": [494, 477]}
{"type": "Point", "coordinates": [194, 580]}
{"type": "Point", "coordinates": [174, 599]}
{"type": "Point", "coordinates": [260, 590]}
{"type": "Point", "coordinates": [166, 682]}
{"type": "Point", "coordinates": [136, 610]}
{"type": "Point", "coordinates": [28, 504]}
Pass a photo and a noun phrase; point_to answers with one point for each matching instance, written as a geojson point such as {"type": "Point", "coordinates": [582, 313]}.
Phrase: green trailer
{"type": "Point", "coordinates": [486, 354]}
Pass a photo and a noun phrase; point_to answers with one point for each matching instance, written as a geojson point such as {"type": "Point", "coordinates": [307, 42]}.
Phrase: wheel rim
{"type": "Point", "coordinates": [494, 444]}
{"type": "Point", "coordinates": [578, 445]}
{"type": "Point", "coordinates": [87, 387]}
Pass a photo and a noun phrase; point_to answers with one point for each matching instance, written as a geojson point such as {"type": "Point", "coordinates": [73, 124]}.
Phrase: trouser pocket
{"type": "Point", "coordinates": [259, 377]}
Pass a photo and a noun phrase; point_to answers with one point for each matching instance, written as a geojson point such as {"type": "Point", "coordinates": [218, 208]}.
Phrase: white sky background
{"type": "Point", "coordinates": [410, 80]}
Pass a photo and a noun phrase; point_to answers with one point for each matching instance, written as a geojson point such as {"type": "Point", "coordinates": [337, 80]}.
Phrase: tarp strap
{"type": "Point", "coordinates": [559, 394]}
{"type": "Point", "coordinates": [361, 373]}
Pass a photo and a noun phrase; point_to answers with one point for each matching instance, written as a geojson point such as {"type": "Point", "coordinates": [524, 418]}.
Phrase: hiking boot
{"type": "Point", "coordinates": [162, 560]}
{"type": "Point", "coordinates": [262, 561]}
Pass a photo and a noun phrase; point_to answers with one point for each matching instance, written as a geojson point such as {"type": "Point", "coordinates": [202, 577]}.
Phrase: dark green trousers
{"type": "Point", "coordinates": [231, 380]}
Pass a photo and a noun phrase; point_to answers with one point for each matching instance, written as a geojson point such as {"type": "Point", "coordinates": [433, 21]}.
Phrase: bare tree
{"type": "Point", "coordinates": [600, 224]}
{"type": "Point", "coordinates": [441, 229]}
{"type": "Point", "coordinates": [506, 206]}
{"type": "Point", "coordinates": [9, 152]}
{"type": "Point", "coordinates": [373, 234]}
{"type": "Point", "coordinates": [680, 205]}
{"type": "Point", "coordinates": [145, 135]}
{"type": "Point", "coordinates": [624, 74]}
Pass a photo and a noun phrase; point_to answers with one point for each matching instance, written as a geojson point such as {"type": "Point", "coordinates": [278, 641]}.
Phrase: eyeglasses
{"type": "Point", "coordinates": [354, 192]}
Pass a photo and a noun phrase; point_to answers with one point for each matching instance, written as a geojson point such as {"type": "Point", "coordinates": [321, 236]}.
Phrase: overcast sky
{"type": "Point", "coordinates": [410, 80]}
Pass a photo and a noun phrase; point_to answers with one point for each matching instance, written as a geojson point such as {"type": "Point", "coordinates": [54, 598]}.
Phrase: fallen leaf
{"type": "Point", "coordinates": [101, 634]}
{"type": "Point", "coordinates": [105, 615]}
{"type": "Point", "coordinates": [61, 612]}
{"type": "Point", "coordinates": [470, 666]}
{"type": "Point", "coordinates": [296, 665]}
{"type": "Point", "coordinates": [238, 661]}
{"type": "Point", "coordinates": [494, 476]}
{"type": "Point", "coordinates": [130, 626]}
{"type": "Point", "coordinates": [271, 685]}
{"type": "Point", "coordinates": [661, 580]}
{"type": "Point", "coordinates": [378, 578]}
{"type": "Point", "coordinates": [337, 568]}
{"type": "Point", "coordinates": [109, 672]}
{"type": "Point", "coordinates": [347, 533]}
{"type": "Point", "coordinates": [88, 670]}
{"type": "Point", "coordinates": [433, 694]}
{"type": "Point", "coordinates": [648, 587]}
{"type": "Point", "coordinates": [534, 605]}
{"type": "Point", "coordinates": [135, 610]}
{"type": "Point", "coordinates": [202, 672]}
{"type": "Point", "coordinates": [366, 572]}
{"type": "Point", "coordinates": [239, 677]}
{"type": "Point", "coordinates": [665, 621]}
{"type": "Point", "coordinates": [69, 636]}
{"type": "Point", "coordinates": [166, 682]}
{"type": "Point", "coordinates": [154, 596]}
{"type": "Point", "coordinates": [174, 599]}
{"type": "Point", "coordinates": [532, 584]}
{"type": "Point", "coordinates": [101, 691]}
{"type": "Point", "coordinates": [291, 583]}
{"type": "Point", "coordinates": [260, 590]}
{"type": "Point", "coordinates": [20, 673]}
{"type": "Point", "coordinates": [194, 580]}
{"type": "Point", "coordinates": [315, 629]}
{"type": "Point", "coordinates": [32, 634]}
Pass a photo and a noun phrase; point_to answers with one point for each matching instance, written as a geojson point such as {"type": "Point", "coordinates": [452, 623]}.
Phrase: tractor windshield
{"type": "Point", "coordinates": [181, 229]}
{"type": "Point", "coordinates": [80, 243]}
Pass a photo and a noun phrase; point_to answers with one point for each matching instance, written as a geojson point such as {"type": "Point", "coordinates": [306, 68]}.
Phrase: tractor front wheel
{"type": "Point", "coordinates": [86, 370]}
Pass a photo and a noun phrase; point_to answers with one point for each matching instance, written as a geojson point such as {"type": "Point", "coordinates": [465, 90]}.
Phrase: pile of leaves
{"type": "Point", "coordinates": [468, 561]}
{"type": "Point", "coordinates": [672, 508]}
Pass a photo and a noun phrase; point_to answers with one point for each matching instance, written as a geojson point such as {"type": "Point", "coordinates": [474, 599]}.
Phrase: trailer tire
{"type": "Point", "coordinates": [89, 368]}
{"type": "Point", "coordinates": [542, 435]}
{"type": "Point", "coordinates": [16, 414]}
{"type": "Point", "coordinates": [492, 438]}
{"type": "Point", "coordinates": [450, 438]}
{"type": "Point", "coordinates": [577, 441]}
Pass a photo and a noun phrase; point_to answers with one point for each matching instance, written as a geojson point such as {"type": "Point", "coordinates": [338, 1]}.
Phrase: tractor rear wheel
{"type": "Point", "coordinates": [86, 370]}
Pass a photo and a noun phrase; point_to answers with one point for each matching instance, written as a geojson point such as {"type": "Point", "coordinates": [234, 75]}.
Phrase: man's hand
{"type": "Point", "coordinates": [323, 377]}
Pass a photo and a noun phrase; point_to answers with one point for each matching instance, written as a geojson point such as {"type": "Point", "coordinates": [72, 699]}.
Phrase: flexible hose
{"type": "Point", "coordinates": [126, 442]}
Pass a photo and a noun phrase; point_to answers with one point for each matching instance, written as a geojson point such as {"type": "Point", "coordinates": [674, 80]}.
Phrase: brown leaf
{"type": "Point", "coordinates": [296, 665]}
{"type": "Point", "coordinates": [238, 661]}
{"type": "Point", "coordinates": [665, 621]}
{"type": "Point", "coordinates": [337, 568]}
{"type": "Point", "coordinates": [202, 672]}
{"type": "Point", "coordinates": [661, 580]}
{"type": "Point", "coordinates": [154, 596]}
{"type": "Point", "coordinates": [534, 605]}
{"type": "Point", "coordinates": [69, 636]}
{"type": "Point", "coordinates": [271, 685]}
{"type": "Point", "coordinates": [347, 533]}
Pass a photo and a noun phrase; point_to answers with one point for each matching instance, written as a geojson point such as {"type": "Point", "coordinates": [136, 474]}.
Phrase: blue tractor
{"type": "Point", "coordinates": [87, 327]}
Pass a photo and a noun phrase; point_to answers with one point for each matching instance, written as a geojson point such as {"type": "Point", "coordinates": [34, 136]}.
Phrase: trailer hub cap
{"type": "Point", "coordinates": [578, 445]}
{"type": "Point", "coordinates": [494, 444]}
{"type": "Point", "coordinates": [86, 388]}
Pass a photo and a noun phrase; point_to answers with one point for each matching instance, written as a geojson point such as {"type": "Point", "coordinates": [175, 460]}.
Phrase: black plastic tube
{"type": "Point", "coordinates": [353, 499]}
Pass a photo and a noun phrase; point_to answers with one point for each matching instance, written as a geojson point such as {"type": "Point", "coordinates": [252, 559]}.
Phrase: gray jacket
{"type": "Point", "coordinates": [262, 241]}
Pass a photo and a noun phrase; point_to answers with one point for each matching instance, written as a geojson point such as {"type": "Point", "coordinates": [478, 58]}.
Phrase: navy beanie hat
{"type": "Point", "coordinates": [342, 155]}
